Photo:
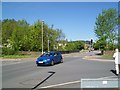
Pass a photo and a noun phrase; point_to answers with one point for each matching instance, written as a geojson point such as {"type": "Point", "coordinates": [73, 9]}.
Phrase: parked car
{"type": "Point", "coordinates": [49, 58]}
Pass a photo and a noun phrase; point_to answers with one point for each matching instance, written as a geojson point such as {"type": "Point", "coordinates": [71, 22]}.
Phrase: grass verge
{"type": "Point", "coordinates": [107, 56]}
{"type": "Point", "coordinates": [18, 56]}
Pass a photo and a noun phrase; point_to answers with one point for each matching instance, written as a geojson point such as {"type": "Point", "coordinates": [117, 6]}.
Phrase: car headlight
{"type": "Point", "coordinates": [45, 60]}
{"type": "Point", "coordinates": [37, 59]}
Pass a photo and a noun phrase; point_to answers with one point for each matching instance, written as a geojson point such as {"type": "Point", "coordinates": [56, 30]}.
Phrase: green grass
{"type": "Point", "coordinates": [84, 50]}
{"type": "Point", "coordinates": [18, 56]}
{"type": "Point", "coordinates": [117, 89]}
{"type": "Point", "coordinates": [107, 56]}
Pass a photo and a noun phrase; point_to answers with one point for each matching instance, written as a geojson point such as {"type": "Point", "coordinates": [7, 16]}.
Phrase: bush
{"type": "Point", "coordinates": [8, 51]}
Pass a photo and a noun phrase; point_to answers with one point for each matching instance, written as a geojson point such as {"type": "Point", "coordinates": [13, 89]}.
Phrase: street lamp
{"type": "Point", "coordinates": [42, 35]}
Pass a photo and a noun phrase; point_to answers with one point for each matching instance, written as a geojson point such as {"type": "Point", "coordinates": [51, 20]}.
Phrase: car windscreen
{"type": "Point", "coordinates": [46, 55]}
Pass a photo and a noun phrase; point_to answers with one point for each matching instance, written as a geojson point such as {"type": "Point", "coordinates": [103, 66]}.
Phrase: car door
{"type": "Point", "coordinates": [55, 58]}
{"type": "Point", "coordinates": [58, 57]}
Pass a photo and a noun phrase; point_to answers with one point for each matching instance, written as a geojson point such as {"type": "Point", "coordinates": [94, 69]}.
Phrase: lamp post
{"type": "Point", "coordinates": [42, 35]}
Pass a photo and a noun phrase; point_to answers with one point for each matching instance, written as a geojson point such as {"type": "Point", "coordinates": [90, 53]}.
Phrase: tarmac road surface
{"type": "Point", "coordinates": [26, 74]}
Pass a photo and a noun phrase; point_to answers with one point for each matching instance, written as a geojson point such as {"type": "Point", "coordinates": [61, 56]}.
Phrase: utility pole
{"type": "Point", "coordinates": [42, 35]}
{"type": "Point", "coordinates": [48, 43]}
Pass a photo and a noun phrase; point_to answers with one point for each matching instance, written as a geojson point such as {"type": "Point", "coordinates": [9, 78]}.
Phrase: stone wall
{"type": "Point", "coordinates": [109, 52]}
{"type": "Point", "coordinates": [30, 53]}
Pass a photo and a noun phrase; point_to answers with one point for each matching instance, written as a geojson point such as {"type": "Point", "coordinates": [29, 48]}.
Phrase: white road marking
{"type": "Point", "coordinates": [62, 84]}
{"type": "Point", "coordinates": [67, 83]}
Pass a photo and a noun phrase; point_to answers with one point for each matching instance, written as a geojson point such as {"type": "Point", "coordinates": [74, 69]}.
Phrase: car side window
{"type": "Point", "coordinates": [51, 54]}
{"type": "Point", "coordinates": [55, 54]}
{"type": "Point", "coordinates": [58, 54]}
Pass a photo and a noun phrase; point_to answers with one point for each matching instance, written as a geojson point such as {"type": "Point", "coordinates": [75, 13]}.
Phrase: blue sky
{"type": "Point", "coordinates": [76, 19]}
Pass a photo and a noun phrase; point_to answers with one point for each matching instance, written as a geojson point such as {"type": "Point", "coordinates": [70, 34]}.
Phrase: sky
{"type": "Point", "coordinates": [75, 19]}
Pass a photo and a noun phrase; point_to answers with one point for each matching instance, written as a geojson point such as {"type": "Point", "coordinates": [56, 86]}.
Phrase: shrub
{"type": "Point", "coordinates": [8, 51]}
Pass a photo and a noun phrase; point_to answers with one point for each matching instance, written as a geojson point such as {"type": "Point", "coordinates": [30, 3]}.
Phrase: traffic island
{"type": "Point", "coordinates": [97, 58]}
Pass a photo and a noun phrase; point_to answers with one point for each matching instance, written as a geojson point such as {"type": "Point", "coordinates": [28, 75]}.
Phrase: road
{"type": "Point", "coordinates": [26, 74]}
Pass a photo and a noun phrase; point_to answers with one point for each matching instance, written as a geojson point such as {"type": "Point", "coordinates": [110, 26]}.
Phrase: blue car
{"type": "Point", "coordinates": [49, 58]}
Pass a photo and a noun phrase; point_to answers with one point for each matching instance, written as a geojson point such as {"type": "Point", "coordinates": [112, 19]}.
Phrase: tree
{"type": "Point", "coordinates": [0, 32]}
{"type": "Point", "coordinates": [75, 45]}
{"type": "Point", "coordinates": [60, 40]}
{"type": "Point", "coordinates": [35, 36]}
{"type": "Point", "coordinates": [106, 28]}
{"type": "Point", "coordinates": [119, 30]}
{"type": "Point", "coordinates": [7, 28]}
{"type": "Point", "coordinates": [20, 36]}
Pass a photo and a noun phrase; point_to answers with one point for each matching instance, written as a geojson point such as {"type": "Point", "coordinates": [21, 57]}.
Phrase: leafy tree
{"type": "Point", "coordinates": [75, 45]}
{"type": "Point", "coordinates": [35, 36]}
{"type": "Point", "coordinates": [70, 46]}
{"type": "Point", "coordinates": [0, 37]}
{"type": "Point", "coordinates": [119, 30]}
{"type": "Point", "coordinates": [60, 39]}
{"type": "Point", "coordinates": [106, 28]}
{"type": "Point", "coordinates": [20, 36]}
{"type": "Point", "coordinates": [7, 28]}
{"type": "Point", "coordinates": [0, 32]}
{"type": "Point", "coordinates": [24, 35]}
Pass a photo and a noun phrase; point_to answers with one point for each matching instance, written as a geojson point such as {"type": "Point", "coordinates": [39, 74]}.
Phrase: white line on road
{"type": "Point", "coordinates": [61, 84]}
{"type": "Point", "coordinates": [67, 83]}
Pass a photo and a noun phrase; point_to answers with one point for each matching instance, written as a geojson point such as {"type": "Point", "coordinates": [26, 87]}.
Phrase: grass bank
{"type": "Point", "coordinates": [107, 56]}
{"type": "Point", "coordinates": [18, 56]}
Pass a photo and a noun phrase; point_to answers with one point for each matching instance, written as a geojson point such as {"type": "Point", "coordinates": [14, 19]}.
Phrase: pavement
{"type": "Point", "coordinates": [97, 58]}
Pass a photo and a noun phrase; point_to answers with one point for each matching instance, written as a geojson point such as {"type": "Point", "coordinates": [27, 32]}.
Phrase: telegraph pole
{"type": "Point", "coordinates": [42, 35]}
{"type": "Point", "coordinates": [48, 43]}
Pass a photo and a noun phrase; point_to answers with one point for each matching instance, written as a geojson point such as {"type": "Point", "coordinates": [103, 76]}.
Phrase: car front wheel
{"type": "Point", "coordinates": [52, 63]}
{"type": "Point", "coordinates": [37, 64]}
{"type": "Point", "coordinates": [61, 60]}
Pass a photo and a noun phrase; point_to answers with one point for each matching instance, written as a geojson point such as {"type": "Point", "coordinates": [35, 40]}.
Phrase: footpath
{"type": "Point", "coordinates": [97, 58]}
